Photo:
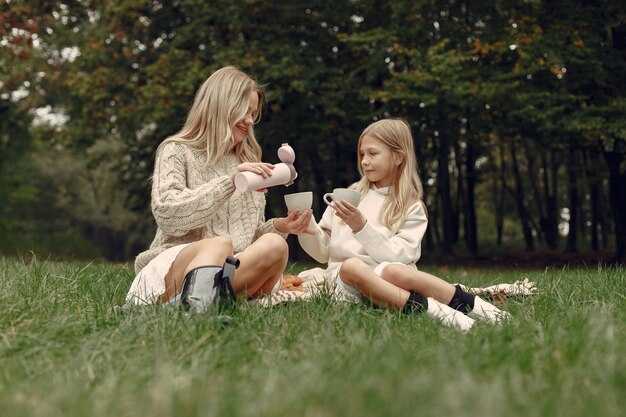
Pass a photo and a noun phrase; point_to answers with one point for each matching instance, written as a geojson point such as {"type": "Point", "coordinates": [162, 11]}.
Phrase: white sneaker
{"type": "Point", "coordinates": [486, 311]}
{"type": "Point", "coordinates": [449, 316]}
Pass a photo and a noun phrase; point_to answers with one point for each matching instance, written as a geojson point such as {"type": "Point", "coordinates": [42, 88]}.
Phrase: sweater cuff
{"type": "Point", "coordinates": [227, 186]}
{"type": "Point", "coordinates": [270, 228]}
{"type": "Point", "coordinates": [367, 235]}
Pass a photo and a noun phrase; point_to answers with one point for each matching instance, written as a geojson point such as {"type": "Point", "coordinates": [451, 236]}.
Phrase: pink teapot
{"type": "Point", "coordinates": [283, 173]}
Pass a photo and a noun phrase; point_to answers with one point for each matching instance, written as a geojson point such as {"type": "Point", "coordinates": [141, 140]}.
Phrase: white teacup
{"type": "Point", "coordinates": [300, 201]}
{"type": "Point", "coordinates": [338, 194]}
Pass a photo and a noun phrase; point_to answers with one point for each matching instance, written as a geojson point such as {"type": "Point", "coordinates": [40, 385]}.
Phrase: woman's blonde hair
{"type": "Point", "coordinates": [406, 187]}
{"type": "Point", "coordinates": [220, 103]}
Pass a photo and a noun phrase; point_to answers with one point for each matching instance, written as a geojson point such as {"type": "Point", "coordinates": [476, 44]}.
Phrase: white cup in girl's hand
{"type": "Point", "coordinates": [300, 201]}
{"type": "Point", "coordinates": [338, 194]}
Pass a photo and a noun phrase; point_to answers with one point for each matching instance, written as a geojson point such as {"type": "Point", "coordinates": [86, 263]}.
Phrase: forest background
{"type": "Point", "coordinates": [518, 112]}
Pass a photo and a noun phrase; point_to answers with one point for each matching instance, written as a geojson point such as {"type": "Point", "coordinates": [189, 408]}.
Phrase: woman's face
{"type": "Point", "coordinates": [378, 162]}
{"type": "Point", "coordinates": [241, 128]}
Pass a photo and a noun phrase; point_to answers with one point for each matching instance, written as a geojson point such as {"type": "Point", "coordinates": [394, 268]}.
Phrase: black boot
{"type": "Point", "coordinates": [209, 286]}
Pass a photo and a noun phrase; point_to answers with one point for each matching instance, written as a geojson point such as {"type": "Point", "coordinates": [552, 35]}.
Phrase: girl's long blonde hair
{"type": "Point", "coordinates": [220, 103]}
{"type": "Point", "coordinates": [406, 188]}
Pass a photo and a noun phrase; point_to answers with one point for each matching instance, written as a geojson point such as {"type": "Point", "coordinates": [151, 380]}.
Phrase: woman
{"type": "Point", "coordinates": [201, 218]}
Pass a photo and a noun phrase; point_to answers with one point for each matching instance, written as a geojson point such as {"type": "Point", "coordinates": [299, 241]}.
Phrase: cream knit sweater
{"type": "Point", "coordinates": [192, 200]}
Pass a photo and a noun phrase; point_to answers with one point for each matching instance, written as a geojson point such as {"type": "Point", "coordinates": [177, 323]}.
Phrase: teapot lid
{"type": "Point", "coordinates": [286, 154]}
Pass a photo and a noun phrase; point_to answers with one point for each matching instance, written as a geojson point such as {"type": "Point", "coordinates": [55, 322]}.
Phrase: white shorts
{"type": "Point", "coordinates": [149, 284]}
{"type": "Point", "coordinates": [345, 292]}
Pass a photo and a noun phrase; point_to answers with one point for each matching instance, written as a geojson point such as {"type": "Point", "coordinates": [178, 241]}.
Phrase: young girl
{"type": "Point", "coordinates": [201, 218]}
{"type": "Point", "coordinates": [372, 250]}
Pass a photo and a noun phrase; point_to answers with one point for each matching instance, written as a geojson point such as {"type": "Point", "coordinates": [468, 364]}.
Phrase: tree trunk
{"type": "Point", "coordinates": [617, 194]}
{"type": "Point", "coordinates": [459, 201]}
{"type": "Point", "coordinates": [573, 202]}
{"type": "Point", "coordinates": [471, 230]}
{"type": "Point", "coordinates": [600, 202]}
{"type": "Point", "coordinates": [550, 225]}
{"type": "Point", "coordinates": [519, 200]}
{"type": "Point", "coordinates": [501, 194]}
{"type": "Point", "coordinates": [593, 185]}
{"type": "Point", "coordinates": [429, 244]}
{"type": "Point", "coordinates": [605, 223]}
{"type": "Point", "coordinates": [443, 189]}
{"type": "Point", "coordinates": [433, 220]}
{"type": "Point", "coordinates": [534, 184]}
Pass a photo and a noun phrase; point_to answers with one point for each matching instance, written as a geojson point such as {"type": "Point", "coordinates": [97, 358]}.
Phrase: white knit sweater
{"type": "Point", "coordinates": [334, 241]}
{"type": "Point", "coordinates": [192, 200]}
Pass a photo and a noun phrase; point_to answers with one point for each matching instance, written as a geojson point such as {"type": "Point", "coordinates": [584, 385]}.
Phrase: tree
{"type": "Point", "coordinates": [496, 93]}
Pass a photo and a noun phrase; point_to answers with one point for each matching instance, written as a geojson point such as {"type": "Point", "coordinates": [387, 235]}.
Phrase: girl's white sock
{"type": "Point", "coordinates": [449, 316]}
{"type": "Point", "coordinates": [487, 311]}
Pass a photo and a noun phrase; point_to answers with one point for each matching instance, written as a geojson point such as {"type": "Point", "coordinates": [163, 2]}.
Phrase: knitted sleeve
{"type": "Point", "coordinates": [268, 227]}
{"type": "Point", "coordinates": [265, 226]}
{"type": "Point", "coordinates": [176, 208]}
{"type": "Point", "coordinates": [404, 246]}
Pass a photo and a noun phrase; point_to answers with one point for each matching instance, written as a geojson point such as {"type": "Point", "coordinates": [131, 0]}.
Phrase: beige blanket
{"type": "Point", "coordinates": [308, 282]}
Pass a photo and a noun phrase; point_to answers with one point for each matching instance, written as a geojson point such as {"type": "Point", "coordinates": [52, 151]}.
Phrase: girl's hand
{"type": "Point", "coordinates": [350, 214]}
{"type": "Point", "coordinates": [295, 223]}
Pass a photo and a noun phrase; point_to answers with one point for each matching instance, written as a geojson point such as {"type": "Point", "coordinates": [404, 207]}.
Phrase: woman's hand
{"type": "Point", "coordinates": [350, 214]}
{"type": "Point", "coordinates": [295, 223]}
{"type": "Point", "coordinates": [264, 169]}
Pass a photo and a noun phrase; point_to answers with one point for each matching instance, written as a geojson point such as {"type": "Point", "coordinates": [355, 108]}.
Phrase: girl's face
{"type": "Point", "coordinates": [240, 129]}
{"type": "Point", "coordinates": [378, 162]}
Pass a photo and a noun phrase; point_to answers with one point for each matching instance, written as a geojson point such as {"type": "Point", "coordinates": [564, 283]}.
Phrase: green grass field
{"type": "Point", "coordinates": [63, 352]}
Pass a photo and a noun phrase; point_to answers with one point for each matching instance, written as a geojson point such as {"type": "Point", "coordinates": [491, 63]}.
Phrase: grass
{"type": "Point", "coordinates": [64, 352]}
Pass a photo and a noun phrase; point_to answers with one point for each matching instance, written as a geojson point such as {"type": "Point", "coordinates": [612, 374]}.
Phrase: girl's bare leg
{"type": "Point", "coordinates": [361, 276]}
{"type": "Point", "coordinates": [262, 265]}
{"type": "Point", "coordinates": [212, 251]}
{"type": "Point", "coordinates": [421, 282]}
{"type": "Point", "coordinates": [383, 293]}
{"type": "Point", "coordinates": [428, 285]}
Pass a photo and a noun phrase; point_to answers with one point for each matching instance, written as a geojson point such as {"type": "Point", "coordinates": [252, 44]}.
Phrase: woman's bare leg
{"type": "Point", "coordinates": [262, 265]}
{"type": "Point", "coordinates": [212, 251]}
{"type": "Point", "coordinates": [382, 293]}
{"type": "Point", "coordinates": [421, 282]}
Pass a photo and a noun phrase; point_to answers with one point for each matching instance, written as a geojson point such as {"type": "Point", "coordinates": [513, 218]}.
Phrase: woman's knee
{"type": "Point", "coordinates": [351, 271]}
{"type": "Point", "coordinates": [222, 245]}
{"type": "Point", "coordinates": [275, 246]}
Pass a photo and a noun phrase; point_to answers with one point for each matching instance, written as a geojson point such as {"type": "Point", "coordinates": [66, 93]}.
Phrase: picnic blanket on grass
{"type": "Point", "coordinates": [523, 287]}
{"type": "Point", "coordinates": [310, 282]}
